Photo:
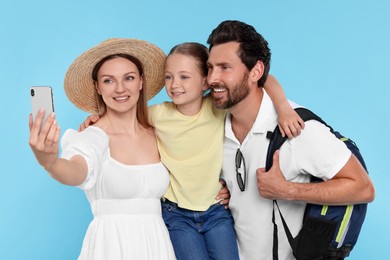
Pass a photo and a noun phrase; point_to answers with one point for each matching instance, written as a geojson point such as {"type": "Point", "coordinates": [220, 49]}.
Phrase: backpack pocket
{"type": "Point", "coordinates": [313, 240]}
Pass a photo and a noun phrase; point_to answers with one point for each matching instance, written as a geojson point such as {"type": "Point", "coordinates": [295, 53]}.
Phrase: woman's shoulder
{"type": "Point", "coordinates": [92, 135]}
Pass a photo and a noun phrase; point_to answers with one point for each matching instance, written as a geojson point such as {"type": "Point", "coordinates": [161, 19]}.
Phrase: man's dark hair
{"type": "Point", "coordinates": [253, 47]}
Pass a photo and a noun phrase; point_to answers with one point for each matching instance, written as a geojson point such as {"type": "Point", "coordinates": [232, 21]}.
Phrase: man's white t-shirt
{"type": "Point", "coordinates": [316, 151]}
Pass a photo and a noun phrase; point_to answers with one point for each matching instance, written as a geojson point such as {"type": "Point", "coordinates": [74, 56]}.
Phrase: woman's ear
{"type": "Point", "coordinates": [141, 85]}
{"type": "Point", "coordinates": [97, 88]}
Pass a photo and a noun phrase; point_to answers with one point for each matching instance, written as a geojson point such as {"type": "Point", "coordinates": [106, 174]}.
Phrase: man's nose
{"type": "Point", "coordinates": [213, 77]}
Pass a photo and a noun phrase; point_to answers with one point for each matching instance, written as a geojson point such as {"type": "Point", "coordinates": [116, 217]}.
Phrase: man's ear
{"type": "Point", "coordinates": [257, 71]}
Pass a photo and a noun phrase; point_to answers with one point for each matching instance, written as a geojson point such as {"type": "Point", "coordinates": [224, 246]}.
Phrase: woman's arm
{"type": "Point", "coordinates": [289, 121]}
{"type": "Point", "coordinates": [44, 144]}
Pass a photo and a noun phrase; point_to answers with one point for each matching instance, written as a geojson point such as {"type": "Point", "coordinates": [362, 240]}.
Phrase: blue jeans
{"type": "Point", "coordinates": [201, 234]}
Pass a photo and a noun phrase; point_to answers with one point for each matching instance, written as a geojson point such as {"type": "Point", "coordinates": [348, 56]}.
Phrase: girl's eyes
{"type": "Point", "coordinates": [130, 78]}
{"type": "Point", "coordinates": [182, 77]}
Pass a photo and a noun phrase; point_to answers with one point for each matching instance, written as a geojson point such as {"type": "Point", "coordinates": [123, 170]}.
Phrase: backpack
{"type": "Point", "coordinates": [328, 232]}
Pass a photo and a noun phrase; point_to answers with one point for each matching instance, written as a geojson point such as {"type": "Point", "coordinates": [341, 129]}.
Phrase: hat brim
{"type": "Point", "coordinates": [78, 83]}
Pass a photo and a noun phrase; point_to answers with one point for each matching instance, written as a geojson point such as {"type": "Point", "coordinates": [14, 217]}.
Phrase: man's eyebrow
{"type": "Point", "coordinates": [218, 64]}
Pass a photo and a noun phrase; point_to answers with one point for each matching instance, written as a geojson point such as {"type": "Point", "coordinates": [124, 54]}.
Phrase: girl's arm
{"type": "Point", "coordinates": [44, 144]}
{"type": "Point", "coordinates": [90, 120]}
{"type": "Point", "coordinates": [289, 122]}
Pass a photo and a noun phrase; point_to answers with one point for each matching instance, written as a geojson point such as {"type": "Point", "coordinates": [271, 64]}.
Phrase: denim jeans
{"type": "Point", "coordinates": [201, 235]}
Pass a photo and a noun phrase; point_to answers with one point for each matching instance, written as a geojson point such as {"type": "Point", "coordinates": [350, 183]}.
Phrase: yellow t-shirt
{"type": "Point", "coordinates": [191, 147]}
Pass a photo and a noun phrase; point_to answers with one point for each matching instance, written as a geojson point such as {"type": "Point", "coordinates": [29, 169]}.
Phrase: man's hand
{"type": "Point", "coordinates": [224, 194]}
{"type": "Point", "coordinates": [90, 120]}
{"type": "Point", "coordinates": [272, 184]}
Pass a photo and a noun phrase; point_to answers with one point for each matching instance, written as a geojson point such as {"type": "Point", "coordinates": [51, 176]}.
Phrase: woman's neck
{"type": "Point", "coordinates": [119, 123]}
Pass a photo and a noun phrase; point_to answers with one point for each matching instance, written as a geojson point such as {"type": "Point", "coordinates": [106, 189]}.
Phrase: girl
{"type": "Point", "coordinates": [190, 134]}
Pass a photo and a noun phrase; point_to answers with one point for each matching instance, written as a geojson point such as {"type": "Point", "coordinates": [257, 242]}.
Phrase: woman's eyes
{"type": "Point", "coordinates": [107, 81]}
{"type": "Point", "coordinates": [130, 78]}
{"type": "Point", "coordinates": [127, 78]}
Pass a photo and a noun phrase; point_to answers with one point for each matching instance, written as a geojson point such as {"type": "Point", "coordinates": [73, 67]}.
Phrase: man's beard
{"type": "Point", "coordinates": [234, 95]}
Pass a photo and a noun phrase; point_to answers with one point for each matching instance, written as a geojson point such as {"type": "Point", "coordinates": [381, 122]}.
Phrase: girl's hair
{"type": "Point", "coordinates": [195, 50]}
{"type": "Point", "coordinates": [142, 111]}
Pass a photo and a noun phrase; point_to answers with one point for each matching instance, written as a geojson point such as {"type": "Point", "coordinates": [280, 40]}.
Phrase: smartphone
{"type": "Point", "coordinates": [41, 97]}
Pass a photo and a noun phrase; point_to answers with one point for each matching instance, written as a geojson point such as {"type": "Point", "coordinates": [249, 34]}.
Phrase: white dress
{"type": "Point", "coordinates": [125, 201]}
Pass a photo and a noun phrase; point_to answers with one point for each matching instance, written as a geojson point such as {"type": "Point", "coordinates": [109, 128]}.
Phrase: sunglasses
{"type": "Point", "coordinates": [240, 160]}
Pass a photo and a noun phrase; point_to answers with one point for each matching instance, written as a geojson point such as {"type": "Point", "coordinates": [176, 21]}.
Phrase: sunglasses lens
{"type": "Point", "coordinates": [238, 159]}
{"type": "Point", "coordinates": [240, 181]}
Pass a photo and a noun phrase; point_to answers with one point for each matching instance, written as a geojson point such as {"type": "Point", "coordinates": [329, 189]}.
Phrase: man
{"type": "Point", "coordinates": [239, 63]}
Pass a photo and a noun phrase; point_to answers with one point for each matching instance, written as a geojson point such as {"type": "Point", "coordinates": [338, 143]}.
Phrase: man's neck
{"type": "Point", "coordinates": [244, 114]}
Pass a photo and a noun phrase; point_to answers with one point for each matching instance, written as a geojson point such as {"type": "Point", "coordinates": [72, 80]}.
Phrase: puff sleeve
{"type": "Point", "coordinates": [92, 145]}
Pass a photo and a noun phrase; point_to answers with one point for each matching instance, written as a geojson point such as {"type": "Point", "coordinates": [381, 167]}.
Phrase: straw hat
{"type": "Point", "coordinates": [78, 81]}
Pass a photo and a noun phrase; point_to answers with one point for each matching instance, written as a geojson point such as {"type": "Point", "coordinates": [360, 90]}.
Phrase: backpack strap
{"type": "Point", "coordinates": [276, 141]}
{"type": "Point", "coordinates": [286, 229]}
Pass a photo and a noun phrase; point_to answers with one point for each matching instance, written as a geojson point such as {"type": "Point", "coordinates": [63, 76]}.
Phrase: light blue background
{"type": "Point", "coordinates": [332, 56]}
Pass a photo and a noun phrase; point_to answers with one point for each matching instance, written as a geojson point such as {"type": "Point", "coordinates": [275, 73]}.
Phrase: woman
{"type": "Point", "coordinates": [116, 161]}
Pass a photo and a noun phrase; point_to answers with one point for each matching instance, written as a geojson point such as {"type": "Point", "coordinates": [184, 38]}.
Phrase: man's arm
{"type": "Point", "coordinates": [224, 194]}
{"type": "Point", "coordinates": [351, 185]}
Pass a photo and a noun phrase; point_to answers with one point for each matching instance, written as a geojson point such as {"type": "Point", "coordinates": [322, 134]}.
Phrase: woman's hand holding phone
{"type": "Point", "coordinates": [44, 138]}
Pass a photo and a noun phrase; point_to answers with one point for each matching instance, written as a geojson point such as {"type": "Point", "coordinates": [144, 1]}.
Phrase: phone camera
{"type": "Point", "coordinates": [32, 92]}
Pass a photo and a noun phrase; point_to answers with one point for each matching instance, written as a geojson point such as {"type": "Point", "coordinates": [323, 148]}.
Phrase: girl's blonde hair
{"type": "Point", "coordinates": [195, 50]}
